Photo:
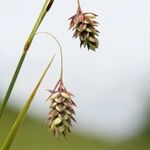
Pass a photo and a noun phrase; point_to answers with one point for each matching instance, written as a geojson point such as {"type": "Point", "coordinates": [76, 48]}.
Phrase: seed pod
{"type": "Point", "coordinates": [84, 26]}
{"type": "Point", "coordinates": [61, 116]}
{"type": "Point", "coordinates": [57, 121]}
{"type": "Point", "coordinates": [65, 95]}
{"type": "Point", "coordinates": [59, 108]}
{"type": "Point", "coordinates": [53, 105]}
{"type": "Point", "coordinates": [90, 15]}
{"type": "Point", "coordinates": [61, 128]}
{"type": "Point", "coordinates": [58, 100]}
{"type": "Point", "coordinates": [65, 117]}
{"type": "Point", "coordinates": [68, 112]}
{"type": "Point", "coordinates": [55, 95]}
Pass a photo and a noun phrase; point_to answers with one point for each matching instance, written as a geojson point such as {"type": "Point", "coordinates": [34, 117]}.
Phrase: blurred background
{"type": "Point", "coordinates": [111, 86]}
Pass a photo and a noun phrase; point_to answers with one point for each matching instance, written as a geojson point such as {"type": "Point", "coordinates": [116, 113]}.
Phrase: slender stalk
{"type": "Point", "coordinates": [79, 7]}
{"type": "Point", "coordinates": [43, 12]}
{"type": "Point", "coordinates": [12, 83]}
{"type": "Point", "coordinates": [78, 3]}
{"type": "Point", "coordinates": [60, 49]}
{"type": "Point", "coordinates": [17, 124]}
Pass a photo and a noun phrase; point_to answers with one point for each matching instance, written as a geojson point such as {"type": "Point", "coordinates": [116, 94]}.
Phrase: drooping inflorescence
{"type": "Point", "coordinates": [84, 26]}
{"type": "Point", "coordinates": [61, 114]}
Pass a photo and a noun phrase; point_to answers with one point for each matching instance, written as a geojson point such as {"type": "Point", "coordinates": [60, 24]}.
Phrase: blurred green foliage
{"type": "Point", "coordinates": [34, 135]}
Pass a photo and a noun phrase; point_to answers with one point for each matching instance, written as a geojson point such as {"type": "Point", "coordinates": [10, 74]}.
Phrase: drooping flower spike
{"type": "Point", "coordinates": [61, 115]}
{"type": "Point", "coordinates": [84, 26]}
{"type": "Point", "coordinates": [61, 106]}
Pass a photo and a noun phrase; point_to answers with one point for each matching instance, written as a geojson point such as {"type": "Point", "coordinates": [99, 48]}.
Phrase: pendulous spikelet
{"type": "Point", "coordinates": [61, 114]}
{"type": "Point", "coordinates": [84, 26]}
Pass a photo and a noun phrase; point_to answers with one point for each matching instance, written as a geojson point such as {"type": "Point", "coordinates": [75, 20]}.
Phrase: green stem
{"type": "Point", "coordinates": [5, 100]}
{"type": "Point", "coordinates": [60, 50]}
{"type": "Point", "coordinates": [43, 12]}
{"type": "Point", "coordinates": [17, 124]}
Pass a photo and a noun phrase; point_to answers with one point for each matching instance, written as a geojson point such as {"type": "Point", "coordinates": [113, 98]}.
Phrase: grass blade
{"type": "Point", "coordinates": [42, 14]}
{"type": "Point", "coordinates": [17, 124]}
{"type": "Point", "coordinates": [5, 100]}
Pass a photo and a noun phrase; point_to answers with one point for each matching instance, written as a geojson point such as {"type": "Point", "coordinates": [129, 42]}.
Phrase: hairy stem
{"type": "Point", "coordinates": [43, 12]}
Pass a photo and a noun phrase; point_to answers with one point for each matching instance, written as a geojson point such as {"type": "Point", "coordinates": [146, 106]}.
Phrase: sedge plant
{"type": "Point", "coordinates": [61, 101]}
{"type": "Point", "coordinates": [42, 14]}
{"type": "Point", "coordinates": [62, 105]}
{"type": "Point", "coordinates": [16, 126]}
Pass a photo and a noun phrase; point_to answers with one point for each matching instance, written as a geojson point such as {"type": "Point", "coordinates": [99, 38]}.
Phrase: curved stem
{"type": "Point", "coordinates": [60, 49]}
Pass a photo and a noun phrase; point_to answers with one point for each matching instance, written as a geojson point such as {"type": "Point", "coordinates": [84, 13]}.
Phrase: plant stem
{"type": "Point", "coordinates": [79, 7]}
{"type": "Point", "coordinates": [12, 83]}
{"type": "Point", "coordinates": [17, 124]}
{"type": "Point", "coordinates": [60, 50]}
{"type": "Point", "coordinates": [78, 3]}
{"type": "Point", "coordinates": [43, 12]}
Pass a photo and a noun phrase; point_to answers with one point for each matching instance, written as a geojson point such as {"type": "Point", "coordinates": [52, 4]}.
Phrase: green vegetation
{"type": "Point", "coordinates": [20, 118]}
{"type": "Point", "coordinates": [34, 135]}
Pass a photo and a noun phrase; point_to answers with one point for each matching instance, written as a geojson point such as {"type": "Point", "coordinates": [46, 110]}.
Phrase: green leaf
{"type": "Point", "coordinates": [17, 124]}
{"type": "Point", "coordinates": [42, 14]}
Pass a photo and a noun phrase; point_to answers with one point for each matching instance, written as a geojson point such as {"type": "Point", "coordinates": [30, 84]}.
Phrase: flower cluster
{"type": "Point", "coordinates": [85, 28]}
{"type": "Point", "coordinates": [61, 115]}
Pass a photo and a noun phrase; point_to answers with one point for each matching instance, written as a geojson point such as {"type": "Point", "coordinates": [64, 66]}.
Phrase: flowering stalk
{"type": "Point", "coordinates": [60, 50]}
{"type": "Point", "coordinates": [43, 12]}
{"type": "Point", "coordinates": [84, 26]}
{"type": "Point", "coordinates": [61, 104]}
{"type": "Point", "coordinates": [61, 114]}
{"type": "Point", "coordinates": [17, 124]}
